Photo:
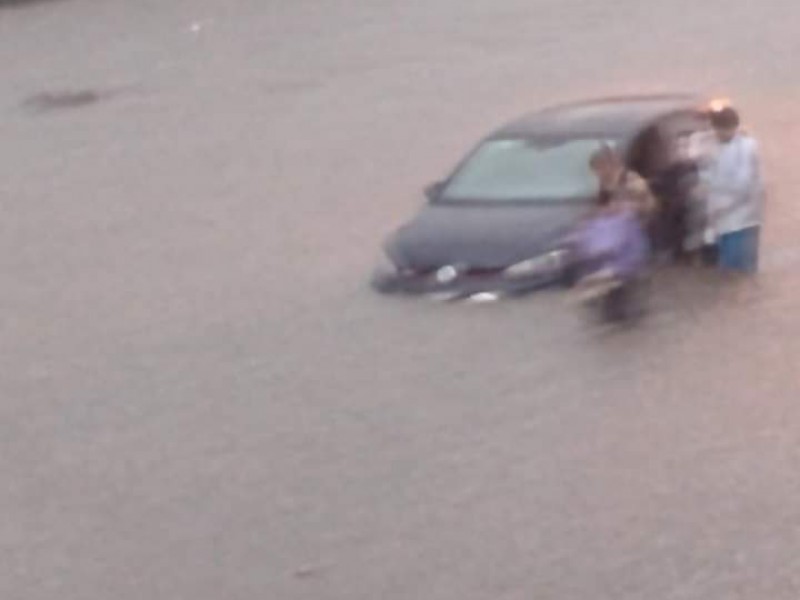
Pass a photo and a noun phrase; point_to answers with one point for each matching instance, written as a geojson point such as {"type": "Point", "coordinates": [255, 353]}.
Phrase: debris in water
{"type": "Point", "coordinates": [198, 26]}
{"type": "Point", "coordinates": [46, 101]}
{"type": "Point", "coordinates": [484, 297]}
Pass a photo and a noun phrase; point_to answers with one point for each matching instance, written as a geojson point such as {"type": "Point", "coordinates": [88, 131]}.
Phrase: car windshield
{"type": "Point", "coordinates": [523, 169]}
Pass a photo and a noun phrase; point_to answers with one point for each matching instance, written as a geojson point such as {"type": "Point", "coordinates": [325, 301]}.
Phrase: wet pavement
{"type": "Point", "coordinates": [201, 398]}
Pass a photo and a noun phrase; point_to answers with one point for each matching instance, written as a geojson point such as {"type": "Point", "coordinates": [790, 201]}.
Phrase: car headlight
{"type": "Point", "coordinates": [546, 264]}
{"type": "Point", "coordinates": [449, 273]}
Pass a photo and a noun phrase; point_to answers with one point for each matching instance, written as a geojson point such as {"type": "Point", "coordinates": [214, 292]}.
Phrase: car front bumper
{"type": "Point", "coordinates": [388, 281]}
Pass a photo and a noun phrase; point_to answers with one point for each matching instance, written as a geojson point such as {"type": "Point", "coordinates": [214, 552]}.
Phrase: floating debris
{"type": "Point", "coordinates": [484, 297]}
{"type": "Point", "coordinates": [47, 101]}
{"type": "Point", "coordinates": [67, 99]}
{"type": "Point", "coordinates": [198, 26]}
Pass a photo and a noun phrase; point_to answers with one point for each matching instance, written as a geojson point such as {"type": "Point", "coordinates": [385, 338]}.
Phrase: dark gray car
{"type": "Point", "coordinates": [499, 221]}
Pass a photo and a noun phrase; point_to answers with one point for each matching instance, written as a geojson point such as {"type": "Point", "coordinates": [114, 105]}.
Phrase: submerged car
{"type": "Point", "coordinates": [499, 221]}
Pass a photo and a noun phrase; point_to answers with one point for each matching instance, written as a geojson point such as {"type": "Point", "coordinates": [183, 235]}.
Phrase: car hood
{"type": "Point", "coordinates": [481, 236]}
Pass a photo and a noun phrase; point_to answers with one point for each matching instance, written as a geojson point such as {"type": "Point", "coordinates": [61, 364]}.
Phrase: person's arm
{"type": "Point", "coordinates": [645, 198]}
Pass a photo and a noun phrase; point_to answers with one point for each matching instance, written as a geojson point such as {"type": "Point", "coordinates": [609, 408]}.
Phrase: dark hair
{"type": "Point", "coordinates": [727, 118]}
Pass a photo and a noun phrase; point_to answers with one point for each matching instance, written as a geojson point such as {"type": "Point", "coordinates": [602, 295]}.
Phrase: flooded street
{"type": "Point", "coordinates": [201, 398]}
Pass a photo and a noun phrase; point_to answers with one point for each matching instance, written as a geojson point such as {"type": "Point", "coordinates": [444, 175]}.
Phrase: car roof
{"type": "Point", "coordinates": [621, 118]}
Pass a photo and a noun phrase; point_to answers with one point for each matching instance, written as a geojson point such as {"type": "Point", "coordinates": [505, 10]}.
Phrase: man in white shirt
{"type": "Point", "coordinates": [735, 194]}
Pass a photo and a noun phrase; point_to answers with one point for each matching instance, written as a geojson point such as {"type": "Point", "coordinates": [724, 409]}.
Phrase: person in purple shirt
{"type": "Point", "coordinates": [613, 250]}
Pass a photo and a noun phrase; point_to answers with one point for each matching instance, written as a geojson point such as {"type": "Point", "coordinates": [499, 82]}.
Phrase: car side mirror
{"type": "Point", "coordinates": [434, 190]}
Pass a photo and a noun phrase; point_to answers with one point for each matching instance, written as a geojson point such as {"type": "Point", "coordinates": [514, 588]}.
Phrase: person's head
{"type": "Point", "coordinates": [605, 163]}
{"type": "Point", "coordinates": [725, 123]}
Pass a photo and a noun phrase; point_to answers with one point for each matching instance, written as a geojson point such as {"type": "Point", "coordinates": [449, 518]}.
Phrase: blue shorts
{"type": "Point", "coordinates": [738, 250]}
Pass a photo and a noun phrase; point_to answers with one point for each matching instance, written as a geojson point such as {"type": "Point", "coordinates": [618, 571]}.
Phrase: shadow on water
{"type": "Point", "coordinates": [24, 3]}
{"type": "Point", "coordinates": [44, 102]}
{"type": "Point", "coordinates": [48, 101]}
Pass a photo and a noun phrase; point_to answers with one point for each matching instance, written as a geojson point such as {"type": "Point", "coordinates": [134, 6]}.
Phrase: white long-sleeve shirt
{"type": "Point", "coordinates": [735, 191]}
